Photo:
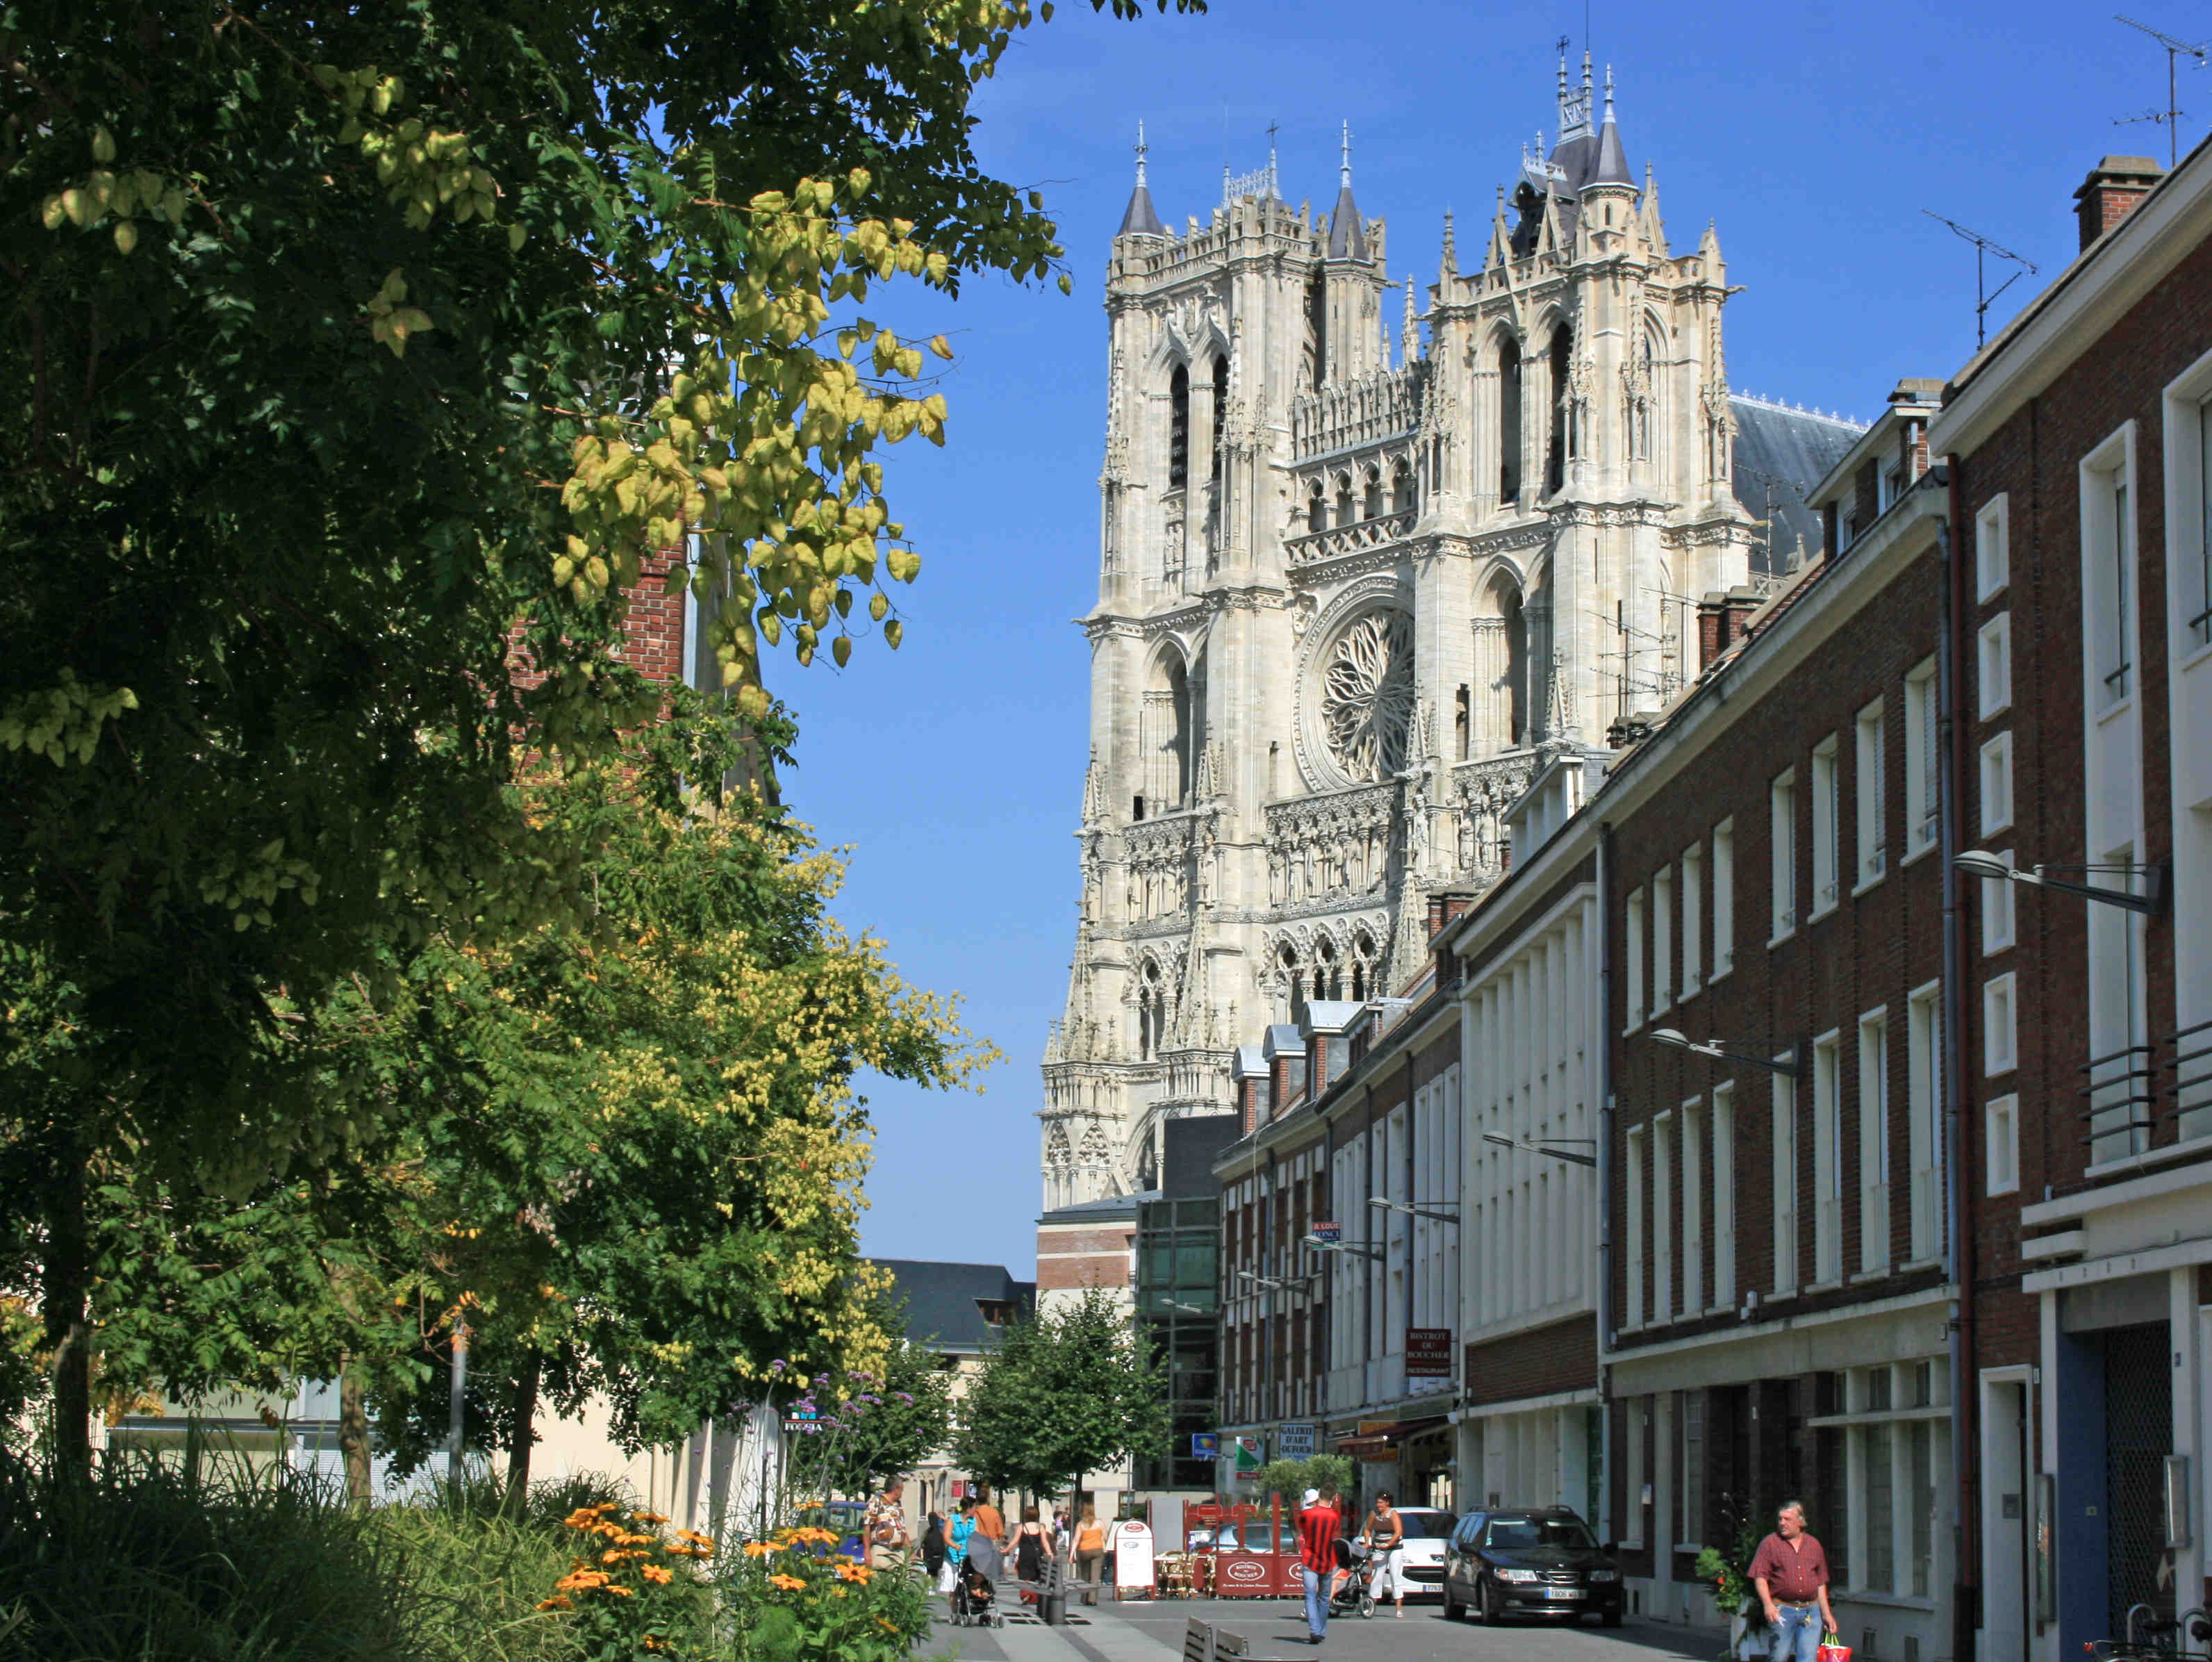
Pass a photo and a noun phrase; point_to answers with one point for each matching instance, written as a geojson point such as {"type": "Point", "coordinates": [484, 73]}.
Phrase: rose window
{"type": "Point", "coordinates": [1367, 695]}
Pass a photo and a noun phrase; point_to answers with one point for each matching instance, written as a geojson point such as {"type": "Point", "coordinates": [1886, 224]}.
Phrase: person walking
{"type": "Point", "coordinates": [933, 1547]}
{"type": "Point", "coordinates": [1386, 1540]}
{"type": "Point", "coordinates": [1790, 1571]}
{"type": "Point", "coordinates": [962, 1530]}
{"type": "Point", "coordinates": [1029, 1555]}
{"type": "Point", "coordinates": [1318, 1525]}
{"type": "Point", "coordinates": [884, 1539]}
{"type": "Point", "coordinates": [1090, 1553]}
{"type": "Point", "coordinates": [988, 1519]}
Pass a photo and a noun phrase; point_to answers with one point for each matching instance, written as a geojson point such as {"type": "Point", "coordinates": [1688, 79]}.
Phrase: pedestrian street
{"type": "Point", "coordinates": [1140, 1630]}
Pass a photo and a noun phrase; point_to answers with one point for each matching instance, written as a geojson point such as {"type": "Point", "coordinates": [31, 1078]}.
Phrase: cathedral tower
{"type": "Point", "coordinates": [1350, 598]}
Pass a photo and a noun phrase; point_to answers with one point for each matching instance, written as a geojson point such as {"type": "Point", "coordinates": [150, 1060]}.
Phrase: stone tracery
{"type": "Point", "coordinates": [1367, 696]}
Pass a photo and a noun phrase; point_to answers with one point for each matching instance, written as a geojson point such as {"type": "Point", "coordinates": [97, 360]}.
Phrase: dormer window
{"type": "Point", "coordinates": [996, 1312]}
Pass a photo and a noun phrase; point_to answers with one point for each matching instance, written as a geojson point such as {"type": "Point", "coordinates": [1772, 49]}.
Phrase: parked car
{"type": "Point", "coordinates": [1251, 1536]}
{"type": "Point", "coordinates": [1422, 1557]}
{"type": "Point", "coordinates": [1537, 1561]}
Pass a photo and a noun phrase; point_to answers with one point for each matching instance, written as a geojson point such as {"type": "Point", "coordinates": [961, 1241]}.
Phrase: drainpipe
{"type": "Point", "coordinates": [1604, 1520]}
{"type": "Point", "coordinates": [1958, 1243]}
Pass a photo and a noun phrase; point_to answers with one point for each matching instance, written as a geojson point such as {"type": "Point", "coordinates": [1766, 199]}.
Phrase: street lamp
{"type": "Point", "coordinates": [1980, 862]}
{"type": "Point", "coordinates": [1314, 1243]}
{"type": "Point", "coordinates": [1271, 1285]}
{"type": "Point", "coordinates": [1452, 1216]}
{"type": "Point", "coordinates": [1717, 1050]}
{"type": "Point", "coordinates": [1542, 1146]}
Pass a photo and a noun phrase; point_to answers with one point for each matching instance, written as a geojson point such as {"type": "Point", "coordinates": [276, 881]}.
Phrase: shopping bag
{"type": "Point", "coordinates": [1832, 1649]}
{"type": "Point", "coordinates": [947, 1576]}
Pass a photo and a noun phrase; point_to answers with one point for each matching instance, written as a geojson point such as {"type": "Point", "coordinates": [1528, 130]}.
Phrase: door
{"type": "Point", "coordinates": [2005, 1506]}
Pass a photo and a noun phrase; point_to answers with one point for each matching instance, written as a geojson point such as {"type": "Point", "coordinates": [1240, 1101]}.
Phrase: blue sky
{"type": "Point", "coordinates": [1813, 138]}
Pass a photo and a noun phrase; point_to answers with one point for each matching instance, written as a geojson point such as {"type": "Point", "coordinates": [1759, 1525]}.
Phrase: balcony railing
{"type": "Point", "coordinates": [2120, 1091]}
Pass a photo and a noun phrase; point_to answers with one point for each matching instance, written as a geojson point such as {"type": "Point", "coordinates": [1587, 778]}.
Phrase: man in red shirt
{"type": "Point", "coordinates": [1319, 1524]}
{"type": "Point", "coordinates": [1790, 1571]}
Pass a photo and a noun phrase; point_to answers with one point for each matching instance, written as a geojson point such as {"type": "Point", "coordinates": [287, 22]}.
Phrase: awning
{"type": "Point", "coordinates": [1383, 1445]}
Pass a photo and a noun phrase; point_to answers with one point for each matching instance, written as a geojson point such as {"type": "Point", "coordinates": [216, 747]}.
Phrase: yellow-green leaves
{"type": "Point", "coordinates": [103, 146]}
{"type": "Point", "coordinates": [126, 196]}
{"type": "Point", "coordinates": [423, 167]}
{"type": "Point", "coordinates": [391, 320]}
{"type": "Point", "coordinates": [64, 722]}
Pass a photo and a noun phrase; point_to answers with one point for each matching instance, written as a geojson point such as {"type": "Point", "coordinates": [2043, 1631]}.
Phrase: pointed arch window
{"type": "Point", "coordinates": [1220, 413]}
{"type": "Point", "coordinates": [1402, 488]}
{"type": "Point", "coordinates": [1152, 1012]}
{"type": "Point", "coordinates": [1509, 422]}
{"type": "Point", "coordinates": [1346, 510]}
{"type": "Point", "coordinates": [1370, 504]}
{"type": "Point", "coordinates": [1555, 450]}
{"type": "Point", "coordinates": [1179, 429]}
{"type": "Point", "coordinates": [1316, 509]}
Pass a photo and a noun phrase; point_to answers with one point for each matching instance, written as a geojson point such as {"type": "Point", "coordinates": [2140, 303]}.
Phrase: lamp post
{"type": "Point", "coordinates": [1543, 1145]}
{"type": "Point", "coordinates": [1991, 868]}
{"type": "Point", "coordinates": [1316, 1244]}
{"type": "Point", "coordinates": [1422, 1211]}
{"type": "Point", "coordinates": [1789, 1066]}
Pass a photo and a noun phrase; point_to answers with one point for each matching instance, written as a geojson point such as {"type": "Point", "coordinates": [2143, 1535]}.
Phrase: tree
{"type": "Point", "coordinates": [1068, 1392]}
{"type": "Point", "coordinates": [871, 1427]}
{"type": "Point", "coordinates": [362, 360]}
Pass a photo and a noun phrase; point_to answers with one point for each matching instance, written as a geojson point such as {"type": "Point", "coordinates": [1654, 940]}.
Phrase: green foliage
{"type": "Point", "coordinates": [213, 1558]}
{"type": "Point", "coordinates": [1292, 1478]}
{"type": "Point", "coordinates": [1067, 1392]}
{"type": "Point", "coordinates": [632, 1592]}
{"type": "Point", "coordinates": [1728, 1571]}
{"type": "Point", "coordinates": [873, 1427]}
{"type": "Point", "coordinates": [342, 344]}
{"type": "Point", "coordinates": [795, 1600]}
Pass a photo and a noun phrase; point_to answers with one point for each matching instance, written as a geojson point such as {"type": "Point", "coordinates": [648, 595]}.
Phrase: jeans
{"type": "Point", "coordinates": [1316, 1583]}
{"type": "Point", "coordinates": [1795, 1635]}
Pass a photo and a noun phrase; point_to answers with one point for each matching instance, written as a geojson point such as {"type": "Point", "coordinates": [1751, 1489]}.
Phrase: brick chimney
{"type": "Point", "coordinates": [1721, 619]}
{"type": "Point", "coordinates": [2111, 191]}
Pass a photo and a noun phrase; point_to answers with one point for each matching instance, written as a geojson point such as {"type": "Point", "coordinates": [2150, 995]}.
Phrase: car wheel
{"type": "Point", "coordinates": [1452, 1605]}
{"type": "Point", "coordinates": [1492, 1614]}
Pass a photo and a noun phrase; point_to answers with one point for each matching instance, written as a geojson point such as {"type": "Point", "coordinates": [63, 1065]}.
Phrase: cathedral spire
{"type": "Point", "coordinates": [1139, 219]}
{"type": "Point", "coordinates": [1347, 235]}
{"type": "Point", "coordinates": [1611, 166]}
{"type": "Point", "coordinates": [1451, 265]}
{"type": "Point", "coordinates": [1411, 347]}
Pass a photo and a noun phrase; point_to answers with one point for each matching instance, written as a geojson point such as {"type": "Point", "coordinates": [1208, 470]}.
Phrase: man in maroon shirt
{"type": "Point", "coordinates": [1319, 1524]}
{"type": "Point", "coordinates": [1791, 1574]}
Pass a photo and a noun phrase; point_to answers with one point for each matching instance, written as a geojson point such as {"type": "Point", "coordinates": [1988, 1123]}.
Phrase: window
{"type": "Point", "coordinates": [1997, 909]}
{"type": "Point", "coordinates": [1635, 954]}
{"type": "Point", "coordinates": [1993, 683]}
{"type": "Point", "coordinates": [1723, 897]}
{"type": "Point", "coordinates": [1179, 429]}
{"type": "Point", "coordinates": [1873, 1143]}
{"type": "Point", "coordinates": [1662, 940]}
{"type": "Point", "coordinates": [1220, 414]}
{"type": "Point", "coordinates": [1827, 1162]}
{"type": "Point", "coordinates": [1640, 1428]}
{"type": "Point", "coordinates": [2001, 1141]}
{"type": "Point", "coordinates": [1724, 1195]}
{"type": "Point", "coordinates": [1693, 920]}
{"type": "Point", "coordinates": [1992, 548]}
{"type": "Point", "coordinates": [2000, 1042]}
{"type": "Point", "coordinates": [1693, 1208]}
{"type": "Point", "coordinates": [1509, 422]}
{"type": "Point", "coordinates": [1880, 1558]}
{"type": "Point", "coordinates": [1371, 496]}
{"type": "Point", "coordinates": [1873, 850]}
{"type": "Point", "coordinates": [1690, 1485]}
{"type": "Point", "coordinates": [2108, 556]}
{"type": "Point", "coordinates": [2119, 1109]}
{"type": "Point", "coordinates": [1781, 819]}
{"type": "Point", "coordinates": [2195, 575]}
{"type": "Point", "coordinates": [1316, 507]}
{"type": "Point", "coordinates": [1826, 888]}
{"type": "Point", "coordinates": [1636, 1227]}
{"type": "Point", "coordinates": [1923, 1055]}
{"type": "Point", "coordinates": [1892, 483]}
{"type": "Point", "coordinates": [1662, 1218]}
{"type": "Point", "coordinates": [1997, 784]}
{"type": "Point", "coordinates": [1923, 800]}
{"type": "Point", "coordinates": [1785, 1184]}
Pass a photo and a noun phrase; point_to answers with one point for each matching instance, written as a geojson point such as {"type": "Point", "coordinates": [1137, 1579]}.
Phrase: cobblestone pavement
{"type": "Point", "coordinates": [1152, 1631]}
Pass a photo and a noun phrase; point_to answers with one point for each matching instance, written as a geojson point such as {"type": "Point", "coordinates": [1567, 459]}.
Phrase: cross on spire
{"type": "Point", "coordinates": [1347, 155]}
{"type": "Point", "coordinates": [1142, 150]}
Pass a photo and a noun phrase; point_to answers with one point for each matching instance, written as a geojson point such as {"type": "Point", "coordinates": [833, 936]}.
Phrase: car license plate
{"type": "Point", "coordinates": [1563, 1593]}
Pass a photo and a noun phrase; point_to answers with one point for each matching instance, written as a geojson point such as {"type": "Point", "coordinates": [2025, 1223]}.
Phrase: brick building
{"type": "Point", "coordinates": [1777, 1296]}
{"type": "Point", "coordinates": [2077, 447]}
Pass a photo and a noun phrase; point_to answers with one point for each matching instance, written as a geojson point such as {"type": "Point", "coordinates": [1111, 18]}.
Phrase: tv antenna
{"type": "Point", "coordinates": [1983, 294]}
{"type": "Point", "coordinates": [2175, 51]}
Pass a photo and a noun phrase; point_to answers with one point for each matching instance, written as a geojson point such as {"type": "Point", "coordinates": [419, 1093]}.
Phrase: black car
{"type": "Point", "coordinates": [1539, 1561]}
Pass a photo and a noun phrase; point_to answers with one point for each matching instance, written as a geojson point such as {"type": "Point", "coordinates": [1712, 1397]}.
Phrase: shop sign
{"type": "Point", "coordinates": [1331, 1233]}
{"type": "Point", "coordinates": [1428, 1353]}
{"type": "Point", "coordinates": [1296, 1442]}
{"type": "Point", "coordinates": [1205, 1445]}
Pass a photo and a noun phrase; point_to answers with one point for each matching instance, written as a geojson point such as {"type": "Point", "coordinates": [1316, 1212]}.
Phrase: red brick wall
{"type": "Point", "coordinates": [1068, 1259]}
{"type": "Point", "coordinates": [1539, 1362]}
{"type": "Point", "coordinates": [1870, 951]}
{"type": "Point", "coordinates": [2032, 459]}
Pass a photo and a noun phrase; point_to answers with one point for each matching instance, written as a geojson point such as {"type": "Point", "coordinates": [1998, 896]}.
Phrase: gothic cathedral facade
{"type": "Point", "coordinates": [1350, 598]}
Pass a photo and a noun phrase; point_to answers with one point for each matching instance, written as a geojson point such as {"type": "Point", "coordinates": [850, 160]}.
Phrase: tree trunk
{"type": "Point", "coordinates": [353, 1434]}
{"type": "Point", "coordinates": [518, 1446]}
{"type": "Point", "coordinates": [66, 1278]}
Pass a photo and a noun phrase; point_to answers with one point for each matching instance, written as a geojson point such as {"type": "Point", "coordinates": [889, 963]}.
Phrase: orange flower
{"type": "Point", "coordinates": [850, 1572]}
{"type": "Point", "coordinates": [620, 1591]}
{"type": "Point", "coordinates": [647, 1517]}
{"type": "Point", "coordinates": [761, 1549]}
{"type": "Point", "coordinates": [557, 1602]}
{"type": "Point", "coordinates": [659, 1574]}
{"type": "Point", "coordinates": [696, 1539]}
{"type": "Point", "coordinates": [789, 1582]}
{"type": "Point", "coordinates": [582, 1581]}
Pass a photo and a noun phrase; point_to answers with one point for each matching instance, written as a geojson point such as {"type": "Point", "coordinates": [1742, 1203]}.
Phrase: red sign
{"type": "Point", "coordinates": [1428, 1353]}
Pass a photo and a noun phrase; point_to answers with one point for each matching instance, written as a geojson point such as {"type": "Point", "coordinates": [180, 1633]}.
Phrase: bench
{"type": "Point", "coordinates": [1204, 1642]}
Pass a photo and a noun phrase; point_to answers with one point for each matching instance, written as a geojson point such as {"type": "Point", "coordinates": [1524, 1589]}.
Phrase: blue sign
{"type": "Point", "coordinates": [1331, 1233]}
{"type": "Point", "coordinates": [1204, 1445]}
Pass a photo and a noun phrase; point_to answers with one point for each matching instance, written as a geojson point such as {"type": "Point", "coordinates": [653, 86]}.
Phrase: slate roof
{"type": "Point", "coordinates": [1794, 449]}
{"type": "Point", "coordinates": [1139, 220]}
{"type": "Point", "coordinates": [1347, 233]}
{"type": "Point", "coordinates": [941, 1310]}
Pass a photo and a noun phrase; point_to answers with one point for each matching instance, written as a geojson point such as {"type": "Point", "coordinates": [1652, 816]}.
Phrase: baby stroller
{"type": "Point", "coordinates": [1353, 1590]}
{"type": "Point", "coordinates": [974, 1589]}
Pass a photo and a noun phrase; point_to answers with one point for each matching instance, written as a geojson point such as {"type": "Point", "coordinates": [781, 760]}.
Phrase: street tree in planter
{"type": "Point", "coordinates": [1067, 1392]}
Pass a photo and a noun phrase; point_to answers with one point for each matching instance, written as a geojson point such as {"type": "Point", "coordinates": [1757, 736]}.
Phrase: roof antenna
{"type": "Point", "coordinates": [1983, 294]}
{"type": "Point", "coordinates": [2175, 50]}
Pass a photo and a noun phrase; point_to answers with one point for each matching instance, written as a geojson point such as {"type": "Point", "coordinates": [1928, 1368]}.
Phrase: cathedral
{"type": "Point", "coordinates": [1354, 592]}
